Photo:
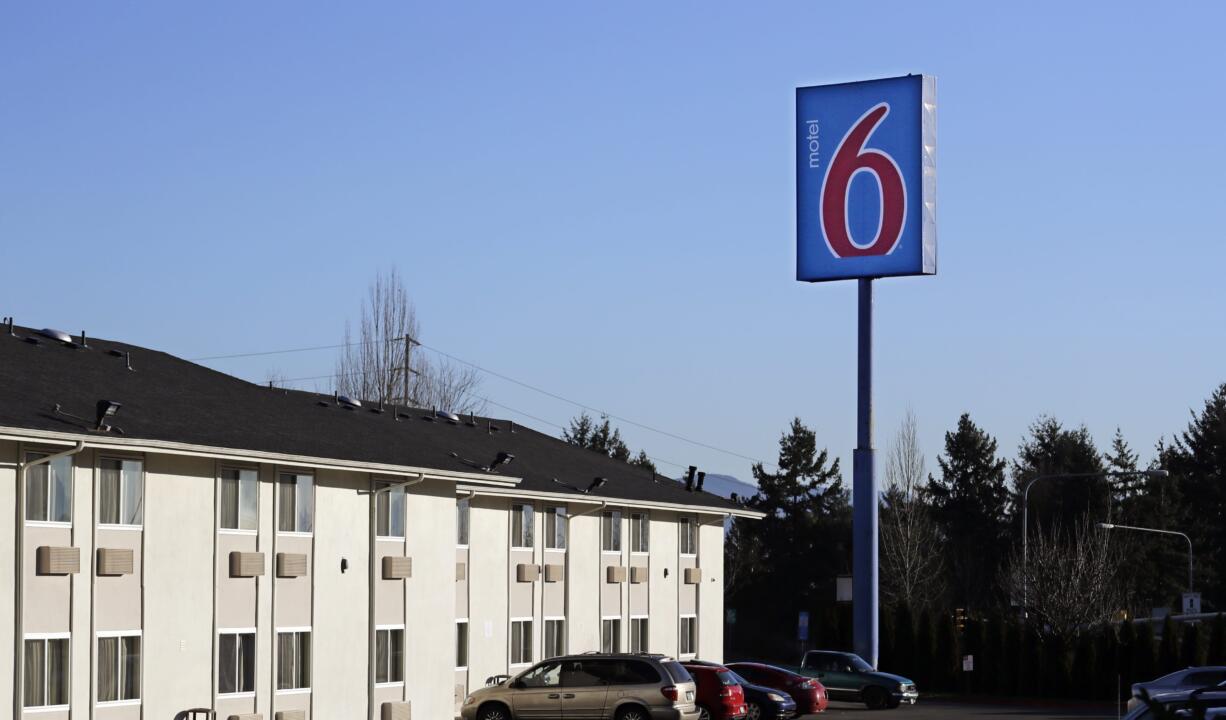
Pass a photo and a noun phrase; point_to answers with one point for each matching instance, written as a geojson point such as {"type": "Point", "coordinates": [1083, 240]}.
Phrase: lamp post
{"type": "Point", "coordinates": [1112, 526]}
{"type": "Point", "coordinates": [1065, 476]}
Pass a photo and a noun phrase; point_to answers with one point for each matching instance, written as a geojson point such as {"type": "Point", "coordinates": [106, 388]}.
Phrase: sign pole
{"type": "Point", "coordinates": [864, 491]}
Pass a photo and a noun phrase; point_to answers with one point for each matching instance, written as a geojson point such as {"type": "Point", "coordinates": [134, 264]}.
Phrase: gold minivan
{"type": "Point", "coordinates": [595, 686]}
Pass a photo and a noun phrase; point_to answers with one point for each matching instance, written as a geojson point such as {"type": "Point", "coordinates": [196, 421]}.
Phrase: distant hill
{"type": "Point", "coordinates": [725, 485]}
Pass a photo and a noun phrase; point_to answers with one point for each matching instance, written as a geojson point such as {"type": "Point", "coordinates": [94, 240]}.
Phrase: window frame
{"type": "Point", "coordinates": [525, 642]}
{"type": "Point", "coordinates": [556, 517]}
{"type": "Point", "coordinates": [640, 540]}
{"type": "Point", "coordinates": [49, 485]}
{"type": "Point", "coordinates": [120, 668]}
{"type": "Point", "coordinates": [463, 525]}
{"type": "Point", "coordinates": [238, 633]}
{"type": "Point", "coordinates": [391, 630]}
{"type": "Point", "coordinates": [123, 494]}
{"type": "Point", "coordinates": [615, 622]}
{"type": "Point", "coordinates": [687, 529]}
{"type": "Point", "coordinates": [297, 531]}
{"type": "Point", "coordinates": [221, 471]}
{"type": "Point", "coordinates": [523, 531]}
{"type": "Point", "coordinates": [614, 518]}
{"type": "Point", "coordinates": [690, 619]}
{"type": "Point", "coordinates": [559, 622]}
{"type": "Point", "coordinates": [644, 623]}
{"type": "Point", "coordinates": [46, 639]}
{"type": "Point", "coordinates": [386, 501]}
{"type": "Point", "coordinates": [459, 645]}
{"type": "Point", "coordinates": [297, 633]}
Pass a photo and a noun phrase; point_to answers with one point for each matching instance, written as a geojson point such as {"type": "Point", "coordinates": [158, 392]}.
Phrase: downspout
{"type": "Point", "coordinates": [569, 577]}
{"type": "Point", "coordinates": [375, 492]}
{"type": "Point", "coordinates": [19, 571]}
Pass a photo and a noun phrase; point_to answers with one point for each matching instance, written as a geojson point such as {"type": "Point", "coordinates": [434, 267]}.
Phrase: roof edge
{"type": "Point", "coordinates": [620, 502]}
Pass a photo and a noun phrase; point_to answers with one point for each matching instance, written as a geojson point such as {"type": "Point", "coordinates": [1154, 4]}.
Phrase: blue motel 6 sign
{"type": "Point", "coordinates": [866, 179]}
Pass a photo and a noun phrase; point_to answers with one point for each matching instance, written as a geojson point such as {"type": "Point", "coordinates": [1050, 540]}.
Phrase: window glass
{"type": "Point", "coordinates": [555, 528]}
{"type": "Point", "coordinates": [461, 524]}
{"type": "Point", "coordinates": [118, 668]}
{"type": "Point", "coordinates": [611, 531]}
{"type": "Point", "coordinates": [121, 492]}
{"type": "Point", "coordinates": [584, 673]}
{"type": "Point", "coordinates": [461, 644]}
{"type": "Point", "coordinates": [638, 635]}
{"type": "Point", "coordinates": [521, 642]}
{"type": "Point", "coordinates": [389, 655]}
{"type": "Point", "coordinates": [46, 672]}
{"type": "Point", "coordinates": [49, 489]}
{"type": "Point", "coordinates": [239, 499]}
{"type": "Point", "coordinates": [689, 536]}
{"type": "Point", "coordinates": [677, 671]}
{"type": "Point", "coordinates": [544, 675]}
{"type": "Point", "coordinates": [555, 638]}
{"type": "Point", "coordinates": [297, 503]}
{"type": "Point", "coordinates": [389, 513]}
{"type": "Point", "coordinates": [521, 526]}
{"type": "Point", "coordinates": [129, 659]}
{"type": "Point", "coordinates": [632, 672]}
{"type": "Point", "coordinates": [610, 635]}
{"type": "Point", "coordinates": [37, 490]}
{"type": "Point", "coordinates": [689, 636]}
{"type": "Point", "coordinates": [236, 663]}
{"type": "Point", "coordinates": [293, 660]}
{"type": "Point", "coordinates": [639, 530]}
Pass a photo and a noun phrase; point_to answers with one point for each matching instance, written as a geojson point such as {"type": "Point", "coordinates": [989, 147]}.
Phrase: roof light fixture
{"type": "Point", "coordinates": [597, 483]}
{"type": "Point", "coordinates": [503, 458]}
{"type": "Point", "coordinates": [106, 409]}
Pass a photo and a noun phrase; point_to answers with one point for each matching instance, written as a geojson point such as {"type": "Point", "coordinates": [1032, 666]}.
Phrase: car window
{"type": "Point", "coordinates": [824, 663]}
{"type": "Point", "coordinates": [1204, 679]}
{"type": "Point", "coordinates": [677, 672]}
{"type": "Point", "coordinates": [545, 675]}
{"type": "Point", "coordinates": [584, 673]}
{"type": "Point", "coordinates": [740, 679]}
{"type": "Point", "coordinates": [858, 664]}
{"type": "Point", "coordinates": [725, 678]}
{"type": "Point", "coordinates": [631, 672]}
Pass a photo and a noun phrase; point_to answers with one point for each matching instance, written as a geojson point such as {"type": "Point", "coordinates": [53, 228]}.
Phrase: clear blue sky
{"type": "Point", "coordinates": [599, 201]}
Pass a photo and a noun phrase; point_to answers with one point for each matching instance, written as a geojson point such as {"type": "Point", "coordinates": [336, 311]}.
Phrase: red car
{"type": "Point", "coordinates": [809, 694]}
{"type": "Point", "coordinates": [719, 695]}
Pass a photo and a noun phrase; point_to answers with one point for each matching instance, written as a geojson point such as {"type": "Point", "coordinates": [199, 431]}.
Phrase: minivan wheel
{"type": "Point", "coordinates": [632, 712]}
{"type": "Point", "coordinates": [875, 698]}
{"type": "Point", "coordinates": [753, 712]}
{"type": "Point", "coordinates": [493, 711]}
{"type": "Point", "coordinates": [703, 713]}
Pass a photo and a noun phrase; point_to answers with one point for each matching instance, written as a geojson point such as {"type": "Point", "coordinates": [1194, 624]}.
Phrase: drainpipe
{"type": "Point", "coordinates": [19, 571]}
{"type": "Point", "coordinates": [370, 590]}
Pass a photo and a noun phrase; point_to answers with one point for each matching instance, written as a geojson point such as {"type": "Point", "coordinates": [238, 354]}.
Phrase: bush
{"type": "Point", "coordinates": [948, 662]}
{"type": "Point", "coordinates": [1127, 657]}
{"type": "Point", "coordinates": [1143, 656]}
{"type": "Point", "coordinates": [1217, 641]}
{"type": "Point", "coordinates": [925, 654]}
{"type": "Point", "coordinates": [904, 642]}
{"type": "Point", "coordinates": [1193, 646]}
{"type": "Point", "coordinates": [1168, 648]}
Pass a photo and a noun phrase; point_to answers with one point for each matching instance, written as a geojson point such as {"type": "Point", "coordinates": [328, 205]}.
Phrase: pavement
{"type": "Point", "coordinates": [942, 709]}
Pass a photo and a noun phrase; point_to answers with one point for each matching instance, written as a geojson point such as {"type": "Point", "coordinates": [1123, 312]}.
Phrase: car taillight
{"type": "Point", "coordinates": [669, 692]}
{"type": "Point", "coordinates": [725, 691]}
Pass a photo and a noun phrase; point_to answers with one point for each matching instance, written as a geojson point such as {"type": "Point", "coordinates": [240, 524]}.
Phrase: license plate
{"type": "Point", "coordinates": [689, 694]}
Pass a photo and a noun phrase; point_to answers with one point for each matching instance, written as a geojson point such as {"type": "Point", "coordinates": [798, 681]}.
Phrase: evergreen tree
{"type": "Point", "coordinates": [1128, 653]}
{"type": "Point", "coordinates": [1192, 648]}
{"type": "Point", "coordinates": [1217, 641]}
{"type": "Point", "coordinates": [1144, 662]}
{"type": "Point", "coordinates": [1168, 648]}
{"type": "Point", "coordinates": [605, 439]}
{"type": "Point", "coordinates": [1050, 449]}
{"type": "Point", "coordinates": [970, 503]}
{"type": "Point", "coordinates": [979, 643]}
{"type": "Point", "coordinates": [1109, 670]}
{"type": "Point", "coordinates": [904, 641]}
{"type": "Point", "coordinates": [643, 461]}
{"type": "Point", "coordinates": [1148, 502]}
{"type": "Point", "coordinates": [946, 653]}
{"type": "Point", "coordinates": [1197, 461]}
{"type": "Point", "coordinates": [1085, 667]}
{"type": "Point", "coordinates": [925, 650]}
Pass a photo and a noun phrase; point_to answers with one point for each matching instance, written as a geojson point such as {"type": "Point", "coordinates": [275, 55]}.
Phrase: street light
{"type": "Point", "coordinates": [1112, 526]}
{"type": "Point", "coordinates": [1066, 476]}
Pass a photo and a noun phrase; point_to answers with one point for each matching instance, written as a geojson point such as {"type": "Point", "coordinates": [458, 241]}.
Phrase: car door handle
{"type": "Point", "coordinates": [568, 696]}
{"type": "Point", "coordinates": [554, 696]}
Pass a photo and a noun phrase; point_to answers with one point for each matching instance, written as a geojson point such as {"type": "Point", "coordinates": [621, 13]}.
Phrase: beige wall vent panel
{"type": "Point", "coordinates": [638, 574]}
{"type": "Point", "coordinates": [527, 572]}
{"type": "Point", "coordinates": [115, 561]}
{"type": "Point", "coordinates": [461, 571]}
{"type": "Point", "coordinates": [58, 560]}
{"type": "Point", "coordinates": [246, 564]}
{"type": "Point", "coordinates": [247, 716]}
{"type": "Point", "coordinates": [615, 574]}
{"type": "Point", "coordinates": [397, 568]}
{"type": "Point", "coordinates": [396, 711]}
{"type": "Point", "coordinates": [290, 715]}
{"type": "Point", "coordinates": [693, 576]}
{"type": "Point", "coordinates": [291, 565]}
{"type": "Point", "coordinates": [555, 573]}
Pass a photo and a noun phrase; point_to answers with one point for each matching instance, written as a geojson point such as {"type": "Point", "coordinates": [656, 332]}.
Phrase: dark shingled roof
{"type": "Point", "coordinates": [169, 399]}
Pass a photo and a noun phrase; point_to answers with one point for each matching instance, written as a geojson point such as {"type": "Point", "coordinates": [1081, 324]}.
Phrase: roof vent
{"type": "Point", "coordinates": [689, 478]}
{"type": "Point", "coordinates": [701, 477]}
{"type": "Point", "coordinates": [348, 402]}
{"type": "Point", "coordinates": [59, 335]}
{"type": "Point", "coordinates": [448, 416]}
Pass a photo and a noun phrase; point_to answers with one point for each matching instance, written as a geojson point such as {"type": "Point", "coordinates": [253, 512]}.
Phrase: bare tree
{"type": "Point", "coordinates": [380, 365]}
{"type": "Point", "coordinates": [1070, 579]}
{"type": "Point", "coordinates": [911, 562]}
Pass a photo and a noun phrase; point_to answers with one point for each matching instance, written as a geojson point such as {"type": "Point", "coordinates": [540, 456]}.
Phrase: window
{"type": "Point", "coordinates": [611, 531]}
{"type": "Point", "coordinates": [521, 526]}
{"type": "Point", "coordinates": [521, 642]}
{"type": "Point", "coordinates": [543, 675]}
{"type": "Point", "coordinates": [555, 528]}
{"type": "Point", "coordinates": [236, 662]}
{"type": "Point", "coordinates": [638, 635]}
{"type": "Point", "coordinates": [630, 672]}
{"type": "Point", "coordinates": [389, 513]}
{"type": "Point", "coordinates": [240, 490]}
{"type": "Point", "coordinates": [639, 530]}
{"type": "Point", "coordinates": [461, 522]}
{"type": "Point", "coordinates": [121, 492]}
{"type": "Point", "coordinates": [297, 503]}
{"type": "Point", "coordinates": [49, 490]}
{"type": "Point", "coordinates": [389, 655]}
{"type": "Point", "coordinates": [611, 635]}
{"type": "Point", "coordinates": [294, 660]}
{"type": "Point", "coordinates": [461, 644]}
{"type": "Point", "coordinates": [689, 635]}
{"type": "Point", "coordinates": [47, 672]}
{"type": "Point", "coordinates": [118, 667]}
{"type": "Point", "coordinates": [689, 536]}
{"type": "Point", "coordinates": [555, 638]}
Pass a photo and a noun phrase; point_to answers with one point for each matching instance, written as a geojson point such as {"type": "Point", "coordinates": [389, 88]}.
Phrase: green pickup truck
{"type": "Point", "coordinates": [849, 679]}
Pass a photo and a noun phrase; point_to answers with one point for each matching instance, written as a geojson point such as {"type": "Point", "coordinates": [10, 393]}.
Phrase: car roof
{"type": "Point", "coordinates": [612, 656]}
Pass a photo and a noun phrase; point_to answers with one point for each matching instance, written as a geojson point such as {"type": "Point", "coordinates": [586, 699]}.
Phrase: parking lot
{"type": "Point", "coordinates": [938, 710]}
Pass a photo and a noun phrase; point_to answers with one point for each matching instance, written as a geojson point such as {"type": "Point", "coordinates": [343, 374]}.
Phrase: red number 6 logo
{"type": "Point", "coordinates": [851, 158]}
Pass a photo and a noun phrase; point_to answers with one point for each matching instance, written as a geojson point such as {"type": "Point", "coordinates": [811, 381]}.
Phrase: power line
{"type": "Point", "coordinates": [500, 376]}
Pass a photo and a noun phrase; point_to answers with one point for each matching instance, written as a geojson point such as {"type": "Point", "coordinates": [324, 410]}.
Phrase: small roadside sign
{"type": "Point", "coordinates": [802, 626]}
{"type": "Point", "coordinates": [1191, 603]}
{"type": "Point", "coordinates": [968, 663]}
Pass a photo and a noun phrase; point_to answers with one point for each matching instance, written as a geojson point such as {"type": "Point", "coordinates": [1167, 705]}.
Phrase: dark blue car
{"type": "Point", "coordinates": [765, 703]}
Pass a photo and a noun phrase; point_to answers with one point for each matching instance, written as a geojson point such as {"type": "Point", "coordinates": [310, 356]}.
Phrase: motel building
{"type": "Point", "coordinates": [177, 538]}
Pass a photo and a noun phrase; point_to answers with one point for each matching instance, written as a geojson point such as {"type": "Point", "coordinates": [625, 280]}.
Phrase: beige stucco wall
{"type": "Point", "coordinates": [662, 627]}
{"type": "Point", "coordinates": [489, 541]}
{"type": "Point", "coordinates": [8, 529]}
{"type": "Point", "coordinates": [711, 591]}
{"type": "Point", "coordinates": [117, 600]}
{"type": "Point", "coordinates": [178, 639]}
{"type": "Point", "coordinates": [584, 578]}
{"type": "Point", "coordinates": [430, 659]}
